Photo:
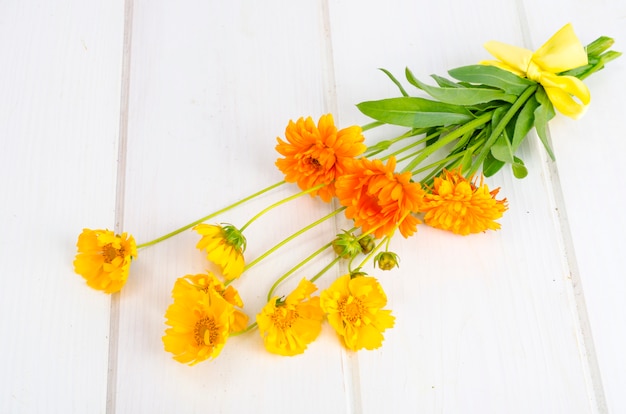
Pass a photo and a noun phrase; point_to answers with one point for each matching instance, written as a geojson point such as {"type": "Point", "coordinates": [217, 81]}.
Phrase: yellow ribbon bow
{"type": "Point", "coordinates": [562, 52]}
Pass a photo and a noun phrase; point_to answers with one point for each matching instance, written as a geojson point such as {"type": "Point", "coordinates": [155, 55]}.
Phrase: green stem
{"type": "Point", "coordinates": [411, 145]}
{"type": "Point", "coordinates": [436, 166]}
{"type": "Point", "coordinates": [293, 269]}
{"type": "Point", "coordinates": [448, 138]}
{"type": "Point", "coordinates": [246, 330]}
{"type": "Point", "coordinates": [293, 236]}
{"type": "Point", "coordinates": [374, 250]}
{"type": "Point", "coordinates": [495, 133]}
{"type": "Point", "coordinates": [281, 202]}
{"type": "Point", "coordinates": [203, 219]}
{"type": "Point", "coordinates": [371, 125]}
{"type": "Point", "coordinates": [384, 145]}
{"type": "Point", "coordinates": [325, 269]}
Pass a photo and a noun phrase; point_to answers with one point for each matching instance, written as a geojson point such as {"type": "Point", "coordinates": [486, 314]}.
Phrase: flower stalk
{"type": "Point", "coordinates": [210, 216]}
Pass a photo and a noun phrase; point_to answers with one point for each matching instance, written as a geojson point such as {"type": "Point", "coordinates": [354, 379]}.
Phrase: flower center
{"type": "Point", "coordinates": [313, 162]}
{"type": "Point", "coordinates": [110, 253]}
{"type": "Point", "coordinates": [205, 331]}
{"type": "Point", "coordinates": [283, 318]}
{"type": "Point", "coordinates": [351, 309]}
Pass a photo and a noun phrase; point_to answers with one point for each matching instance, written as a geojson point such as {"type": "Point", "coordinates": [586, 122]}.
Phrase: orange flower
{"type": "Point", "coordinates": [457, 204]}
{"type": "Point", "coordinates": [103, 258]}
{"type": "Point", "coordinates": [317, 155]}
{"type": "Point", "coordinates": [379, 200]}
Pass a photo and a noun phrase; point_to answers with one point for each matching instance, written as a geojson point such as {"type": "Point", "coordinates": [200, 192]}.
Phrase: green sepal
{"type": "Point", "coordinates": [234, 237]}
{"type": "Point", "coordinates": [492, 76]}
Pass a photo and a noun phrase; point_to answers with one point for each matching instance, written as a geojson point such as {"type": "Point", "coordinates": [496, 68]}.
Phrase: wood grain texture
{"type": "Point", "coordinates": [528, 319]}
{"type": "Point", "coordinates": [486, 323]}
{"type": "Point", "coordinates": [59, 111]}
{"type": "Point", "coordinates": [586, 160]}
{"type": "Point", "coordinates": [212, 86]}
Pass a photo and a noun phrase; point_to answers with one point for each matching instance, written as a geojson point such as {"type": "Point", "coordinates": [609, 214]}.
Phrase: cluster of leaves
{"type": "Point", "coordinates": [483, 115]}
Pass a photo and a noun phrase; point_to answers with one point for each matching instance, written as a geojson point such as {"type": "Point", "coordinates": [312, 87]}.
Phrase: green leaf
{"type": "Point", "coordinates": [445, 83]}
{"type": "Point", "coordinates": [498, 114]}
{"type": "Point", "coordinates": [461, 96]}
{"type": "Point", "coordinates": [415, 112]}
{"type": "Point", "coordinates": [492, 76]}
{"type": "Point", "coordinates": [519, 169]}
{"type": "Point", "coordinates": [466, 161]}
{"type": "Point", "coordinates": [501, 149]}
{"type": "Point", "coordinates": [524, 123]}
{"type": "Point", "coordinates": [394, 80]}
{"type": "Point", "coordinates": [543, 114]}
{"type": "Point", "coordinates": [462, 141]}
{"type": "Point", "coordinates": [491, 165]}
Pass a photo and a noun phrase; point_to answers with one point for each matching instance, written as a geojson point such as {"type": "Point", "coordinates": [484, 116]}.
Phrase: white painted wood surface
{"type": "Point", "coordinates": [146, 115]}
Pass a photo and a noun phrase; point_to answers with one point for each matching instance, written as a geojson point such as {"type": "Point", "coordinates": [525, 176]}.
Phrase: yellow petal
{"type": "Point", "coordinates": [517, 58]}
{"type": "Point", "coordinates": [563, 51]}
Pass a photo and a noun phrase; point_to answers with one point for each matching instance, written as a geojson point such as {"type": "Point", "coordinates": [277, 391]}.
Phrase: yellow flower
{"type": "Point", "coordinates": [458, 205]}
{"type": "Point", "coordinates": [288, 326]}
{"type": "Point", "coordinates": [354, 309]}
{"type": "Point", "coordinates": [561, 53]}
{"type": "Point", "coordinates": [103, 259]}
{"type": "Point", "coordinates": [224, 246]}
{"type": "Point", "coordinates": [199, 326]}
{"type": "Point", "coordinates": [316, 155]}
{"type": "Point", "coordinates": [209, 282]}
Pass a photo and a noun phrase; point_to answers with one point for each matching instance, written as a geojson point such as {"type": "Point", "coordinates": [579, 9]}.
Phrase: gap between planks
{"type": "Point", "coordinates": [114, 319]}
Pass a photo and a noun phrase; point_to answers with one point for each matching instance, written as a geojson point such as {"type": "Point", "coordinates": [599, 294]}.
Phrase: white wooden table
{"type": "Point", "coordinates": [146, 115]}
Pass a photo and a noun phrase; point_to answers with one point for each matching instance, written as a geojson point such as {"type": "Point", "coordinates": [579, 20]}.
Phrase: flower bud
{"type": "Point", "coordinates": [367, 243]}
{"type": "Point", "coordinates": [357, 273]}
{"type": "Point", "coordinates": [346, 245]}
{"type": "Point", "coordinates": [387, 260]}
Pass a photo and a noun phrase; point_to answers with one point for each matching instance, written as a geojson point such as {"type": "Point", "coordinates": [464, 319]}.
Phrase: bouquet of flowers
{"type": "Point", "coordinates": [458, 132]}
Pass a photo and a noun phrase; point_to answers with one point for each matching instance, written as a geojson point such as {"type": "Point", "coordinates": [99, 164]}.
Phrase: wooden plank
{"type": "Point", "coordinates": [59, 112]}
{"type": "Point", "coordinates": [587, 159]}
{"type": "Point", "coordinates": [495, 328]}
{"type": "Point", "coordinates": [212, 86]}
{"type": "Point", "coordinates": [486, 323]}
